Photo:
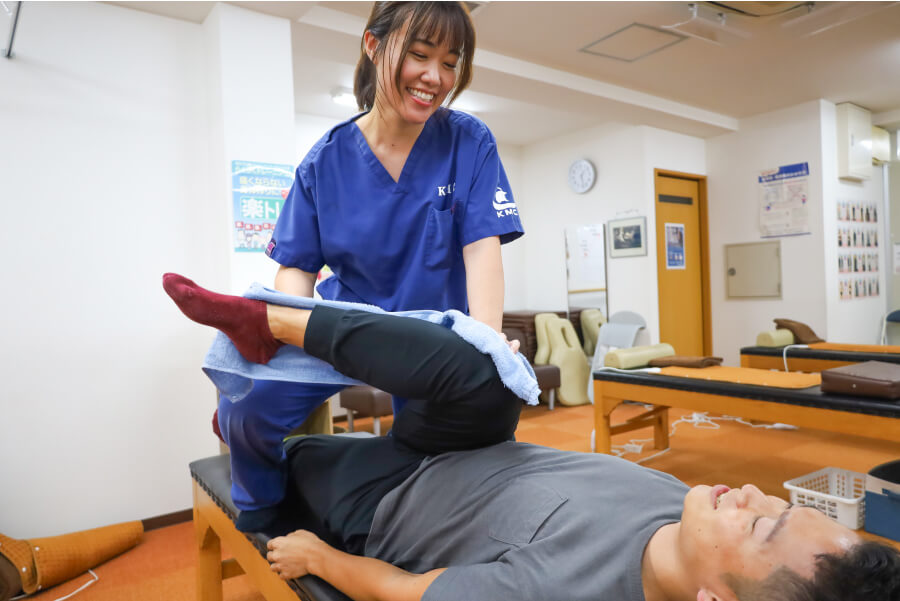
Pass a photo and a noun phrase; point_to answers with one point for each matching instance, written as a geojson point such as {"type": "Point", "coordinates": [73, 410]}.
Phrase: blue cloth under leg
{"type": "Point", "coordinates": [254, 428]}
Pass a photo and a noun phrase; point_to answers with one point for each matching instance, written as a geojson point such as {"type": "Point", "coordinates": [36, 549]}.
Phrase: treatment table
{"type": "Point", "coordinates": [817, 357]}
{"type": "Point", "coordinates": [803, 407]}
{"type": "Point", "coordinates": [214, 515]}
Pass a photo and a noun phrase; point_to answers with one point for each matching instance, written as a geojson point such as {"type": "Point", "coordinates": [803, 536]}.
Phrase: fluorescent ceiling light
{"type": "Point", "coordinates": [344, 97]}
{"type": "Point", "coordinates": [822, 16]}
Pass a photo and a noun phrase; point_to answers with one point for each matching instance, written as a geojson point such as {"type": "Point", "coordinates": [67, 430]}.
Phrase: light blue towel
{"type": "Point", "coordinates": [233, 375]}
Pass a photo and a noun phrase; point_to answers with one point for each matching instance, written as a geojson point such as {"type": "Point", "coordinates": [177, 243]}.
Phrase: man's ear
{"type": "Point", "coordinates": [704, 594]}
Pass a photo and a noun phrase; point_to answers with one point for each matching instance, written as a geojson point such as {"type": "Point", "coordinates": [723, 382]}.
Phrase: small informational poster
{"type": "Point", "coordinates": [675, 246]}
{"type": "Point", "coordinates": [258, 191]}
{"type": "Point", "coordinates": [858, 250]}
{"type": "Point", "coordinates": [783, 197]}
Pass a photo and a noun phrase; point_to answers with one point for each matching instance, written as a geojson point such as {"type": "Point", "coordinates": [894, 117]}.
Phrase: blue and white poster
{"type": "Point", "coordinates": [783, 197]}
{"type": "Point", "coordinates": [675, 246]}
{"type": "Point", "coordinates": [258, 191]}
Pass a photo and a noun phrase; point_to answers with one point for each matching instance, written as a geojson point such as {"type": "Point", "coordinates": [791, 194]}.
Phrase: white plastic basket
{"type": "Point", "coordinates": [840, 494]}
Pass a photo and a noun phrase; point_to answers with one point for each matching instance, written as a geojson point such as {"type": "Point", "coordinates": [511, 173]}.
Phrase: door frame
{"type": "Point", "coordinates": [706, 307]}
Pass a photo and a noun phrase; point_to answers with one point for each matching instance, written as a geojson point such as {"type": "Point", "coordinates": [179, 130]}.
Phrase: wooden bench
{"type": "Point", "coordinates": [807, 407]}
{"type": "Point", "coordinates": [214, 515]}
{"type": "Point", "coordinates": [807, 359]}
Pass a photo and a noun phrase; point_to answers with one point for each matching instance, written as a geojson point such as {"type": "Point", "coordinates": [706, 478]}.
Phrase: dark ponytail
{"type": "Point", "coordinates": [445, 21]}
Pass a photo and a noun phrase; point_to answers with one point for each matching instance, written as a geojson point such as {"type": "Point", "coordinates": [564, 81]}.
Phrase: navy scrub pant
{"type": "Point", "coordinates": [456, 402]}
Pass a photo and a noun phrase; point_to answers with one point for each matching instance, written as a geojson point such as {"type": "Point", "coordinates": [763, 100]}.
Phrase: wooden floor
{"type": "Point", "coordinates": [162, 566]}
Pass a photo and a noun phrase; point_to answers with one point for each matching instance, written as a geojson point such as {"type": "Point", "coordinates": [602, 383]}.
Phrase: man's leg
{"type": "Point", "coordinates": [339, 482]}
{"type": "Point", "coordinates": [456, 398]}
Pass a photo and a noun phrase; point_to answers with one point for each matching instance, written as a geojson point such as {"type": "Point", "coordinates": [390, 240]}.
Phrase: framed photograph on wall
{"type": "Point", "coordinates": [627, 237]}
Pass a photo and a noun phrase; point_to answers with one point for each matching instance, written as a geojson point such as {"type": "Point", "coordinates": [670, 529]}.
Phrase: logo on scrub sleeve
{"type": "Point", "coordinates": [503, 205]}
{"type": "Point", "coordinates": [270, 247]}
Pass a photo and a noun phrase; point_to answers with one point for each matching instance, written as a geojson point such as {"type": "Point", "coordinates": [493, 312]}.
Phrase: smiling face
{"type": "Point", "coordinates": [413, 86]}
{"type": "Point", "coordinates": [748, 534]}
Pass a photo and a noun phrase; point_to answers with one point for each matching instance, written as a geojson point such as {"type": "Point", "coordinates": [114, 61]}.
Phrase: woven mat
{"type": "Point", "coordinates": [746, 375]}
{"type": "Point", "coordinates": [859, 348]}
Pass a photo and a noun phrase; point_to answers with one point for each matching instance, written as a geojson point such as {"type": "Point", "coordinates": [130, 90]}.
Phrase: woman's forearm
{"type": "Point", "coordinates": [484, 281]}
{"type": "Point", "coordinates": [291, 280]}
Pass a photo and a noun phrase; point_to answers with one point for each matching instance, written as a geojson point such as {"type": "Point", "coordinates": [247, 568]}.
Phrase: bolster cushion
{"type": "Point", "coordinates": [780, 337]}
{"type": "Point", "coordinates": [638, 356]}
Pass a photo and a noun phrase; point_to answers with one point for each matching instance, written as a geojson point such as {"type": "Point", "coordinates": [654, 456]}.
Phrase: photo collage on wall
{"type": "Point", "coordinates": [858, 249]}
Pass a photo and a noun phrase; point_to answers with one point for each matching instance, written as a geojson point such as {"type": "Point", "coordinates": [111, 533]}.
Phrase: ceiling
{"type": "Point", "coordinates": [534, 78]}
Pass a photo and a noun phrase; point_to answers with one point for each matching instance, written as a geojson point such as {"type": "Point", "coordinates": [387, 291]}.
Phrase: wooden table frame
{"type": "Point", "coordinates": [794, 363]}
{"type": "Point", "coordinates": [610, 394]}
{"type": "Point", "coordinates": [212, 528]}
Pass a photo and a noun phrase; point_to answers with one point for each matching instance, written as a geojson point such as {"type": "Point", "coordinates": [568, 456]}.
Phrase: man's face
{"type": "Point", "coordinates": [749, 534]}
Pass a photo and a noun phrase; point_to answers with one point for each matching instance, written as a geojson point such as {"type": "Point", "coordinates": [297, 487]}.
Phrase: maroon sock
{"type": "Point", "coordinates": [243, 320]}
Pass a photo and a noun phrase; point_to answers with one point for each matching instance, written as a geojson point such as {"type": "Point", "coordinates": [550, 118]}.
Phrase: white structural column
{"type": "Point", "coordinates": [251, 113]}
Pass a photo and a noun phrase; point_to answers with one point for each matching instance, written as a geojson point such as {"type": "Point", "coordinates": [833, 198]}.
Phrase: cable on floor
{"type": "Point", "coordinates": [73, 593]}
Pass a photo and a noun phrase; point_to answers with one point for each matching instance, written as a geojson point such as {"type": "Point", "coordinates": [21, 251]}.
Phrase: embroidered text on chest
{"type": "Point", "coordinates": [445, 190]}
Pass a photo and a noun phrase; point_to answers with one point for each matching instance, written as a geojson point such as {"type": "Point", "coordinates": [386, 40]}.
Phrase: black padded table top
{"type": "Point", "coordinates": [214, 476]}
{"type": "Point", "coordinates": [807, 397]}
{"type": "Point", "coordinates": [825, 354]}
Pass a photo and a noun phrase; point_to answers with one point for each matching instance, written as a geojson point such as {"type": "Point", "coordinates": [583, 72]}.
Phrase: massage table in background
{"type": "Point", "coordinates": [819, 356]}
{"type": "Point", "coordinates": [214, 515]}
{"type": "Point", "coordinates": [806, 407]}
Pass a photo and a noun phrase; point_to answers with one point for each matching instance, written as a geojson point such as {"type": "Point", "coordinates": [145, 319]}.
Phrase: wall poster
{"type": "Point", "coordinates": [783, 194]}
{"type": "Point", "coordinates": [858, 253]}
{"type": "Point", "coordinates": [675, 246]}
{"type": "Point", "coordinates": [258, 191]}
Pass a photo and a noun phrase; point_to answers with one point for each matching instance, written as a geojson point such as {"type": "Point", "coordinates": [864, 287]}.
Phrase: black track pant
{"type": "Point", "coordinates": [456, 402]}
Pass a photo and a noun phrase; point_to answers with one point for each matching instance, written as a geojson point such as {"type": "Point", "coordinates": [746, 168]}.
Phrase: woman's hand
{"type": "Point", "coordinates": [513, 344]}
{"type": "Point", "coordinates": [290, 555]}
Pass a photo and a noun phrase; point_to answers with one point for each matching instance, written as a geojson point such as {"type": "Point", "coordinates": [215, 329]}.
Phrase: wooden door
{"type": "Point", "coordinates": [680, 260]}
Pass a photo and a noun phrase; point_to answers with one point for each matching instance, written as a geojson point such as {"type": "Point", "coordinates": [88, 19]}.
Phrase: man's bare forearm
{"type": "Point", "coordinates": [360, 578]}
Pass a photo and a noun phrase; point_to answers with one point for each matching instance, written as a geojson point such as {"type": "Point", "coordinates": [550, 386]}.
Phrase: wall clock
{"type": "Point", "coordinates": [582, 175]}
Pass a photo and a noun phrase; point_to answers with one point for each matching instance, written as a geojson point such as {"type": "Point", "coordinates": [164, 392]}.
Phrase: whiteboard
{"type": "Point", "coordinates": [586, 258]}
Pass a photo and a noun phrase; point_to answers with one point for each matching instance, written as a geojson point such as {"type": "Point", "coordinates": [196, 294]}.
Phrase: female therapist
{"type": "Point", "coordinates": [407, 203]}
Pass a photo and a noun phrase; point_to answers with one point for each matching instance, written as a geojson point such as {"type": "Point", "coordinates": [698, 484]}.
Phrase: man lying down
{"type": "Point", "coordinates": [447, 507]}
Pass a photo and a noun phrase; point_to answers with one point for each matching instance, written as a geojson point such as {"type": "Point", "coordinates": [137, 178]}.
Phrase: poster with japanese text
{"type": "Point", "coordinates": [783, 194]}
{"type": "Point", "coordinates": [258, 191]}
{"type": "Point", "coordinates": [675, 246]}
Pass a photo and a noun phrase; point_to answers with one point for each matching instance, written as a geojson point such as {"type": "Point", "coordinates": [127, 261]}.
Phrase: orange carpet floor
{"type": "Point", "coordinates": [161, 568]}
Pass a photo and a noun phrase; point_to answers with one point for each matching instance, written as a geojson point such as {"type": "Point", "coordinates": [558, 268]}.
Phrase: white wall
{"type": "Point", "coordinates": [514, 264]}
{"type": "Point", "coordinates": [855, 320]}
{"type": "Point", "coordinates": [250, 75]}
{"type": "Point", "coordinates": [767, 141]}
{"type": "Point", "coordinates": [625, 157]}
{"type": "Point", "coordinates": [802, 133]}
{"type": "Point", "coordinates": [103, 186]}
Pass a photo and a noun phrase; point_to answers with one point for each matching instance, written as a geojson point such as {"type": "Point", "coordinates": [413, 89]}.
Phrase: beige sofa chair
{"type": "Point", "coordinates": [558, 345]}
{"type": "Point", "coordinates": [591, 321]}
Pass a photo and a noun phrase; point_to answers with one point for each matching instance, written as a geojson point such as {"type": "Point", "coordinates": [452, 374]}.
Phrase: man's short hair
{"type": "Point", "coordinates": [868, 571]}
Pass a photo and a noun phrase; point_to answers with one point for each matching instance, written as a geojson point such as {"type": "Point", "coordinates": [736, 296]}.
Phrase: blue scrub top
{"type": "Point", "coordinates": [397, 245]}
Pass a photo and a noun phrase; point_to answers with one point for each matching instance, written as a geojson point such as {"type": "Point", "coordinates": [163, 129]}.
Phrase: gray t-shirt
{"type": "Point", "coordinates": [519, 521]}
